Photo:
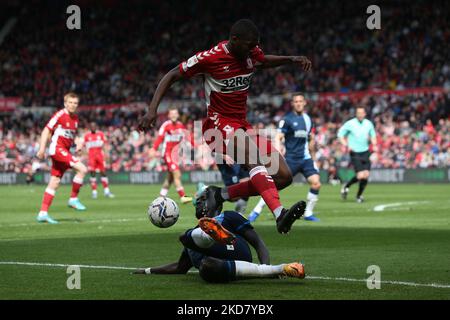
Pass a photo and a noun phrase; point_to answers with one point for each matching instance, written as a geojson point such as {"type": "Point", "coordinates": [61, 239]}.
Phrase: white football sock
{"type": "Point", "coordinates": [201, 238]}
{"type": "Point", "coordinates": [106, 191]}
{"type": "Point", "coordinates": [73, 199]}
{"type": "Point", "coordinates": [277, 212]}
{"type": "Point", "coordinates": [42, 213]}
{"type": "Point", "coordinates": [163, 192]}
{"type": "Point", "coordinates": [248, 269]}
{"type": "Point", "coordinates": [311, 202]}
{"type": "Point", "coordinates": [260, 205]}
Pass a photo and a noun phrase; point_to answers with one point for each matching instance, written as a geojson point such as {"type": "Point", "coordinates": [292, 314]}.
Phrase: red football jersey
{"type": "Point", "coordinates": [63, 127]}
{"type": "Point", "coordinates": [171, 134]}
{"type": "Point", "coordinates": [226, 78]}
{"type": "Point", "coordinates": [94, 143]}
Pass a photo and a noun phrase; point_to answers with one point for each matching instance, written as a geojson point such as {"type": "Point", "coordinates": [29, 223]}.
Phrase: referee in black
{"type": "Point", "coordinates": [356, 134]}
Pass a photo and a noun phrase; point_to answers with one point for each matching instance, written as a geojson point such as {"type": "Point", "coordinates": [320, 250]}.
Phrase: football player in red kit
{"type": "Point", "coordinates": [94, 141]}
{"type": "Point", "coordinates": [227, 69]}
{"type": "Point", "coordinates": [170, 134]}
{"type": "Point", "coordinates": [61, 130]}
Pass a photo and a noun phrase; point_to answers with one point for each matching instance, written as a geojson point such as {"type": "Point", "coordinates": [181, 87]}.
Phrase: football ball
{"type": "Point", "coordinates": [163, 212]}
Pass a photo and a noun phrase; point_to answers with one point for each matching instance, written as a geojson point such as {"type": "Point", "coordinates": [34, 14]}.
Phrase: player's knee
{"type": "Point", "coordinates": [213, 270]}
{"type": "Point", "coordinates": [54, 183]}
{"type": "Point", "coordinates": [316, 185]}
{"type": "Point", "coordinates": [82, 169]}
{"type": "Point", "coordinates": [284, 179]}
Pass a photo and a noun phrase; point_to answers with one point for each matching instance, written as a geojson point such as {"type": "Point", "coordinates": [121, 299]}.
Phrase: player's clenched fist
{"type": "Point", "coordinates": [147, 122]}
{"type": "Point", "coordinates": [303, 61]}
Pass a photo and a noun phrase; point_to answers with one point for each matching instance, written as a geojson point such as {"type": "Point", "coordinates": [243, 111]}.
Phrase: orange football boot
{"type": "Point", "coordinates": [294, 270]}
{"type": "Point", "coordinates": [216, 231]}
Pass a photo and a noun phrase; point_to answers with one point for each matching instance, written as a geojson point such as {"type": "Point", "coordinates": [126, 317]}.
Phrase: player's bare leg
{"type": "Point", "coordinates": [166, 184]}
{"type": "Point", "coordinates": [179, 186]}
{"type": "Point", "coordinates": [77, 183]}
{"type": "Point", "coordinates": [105, 184]}
{"type": "Point", "coordinates": [47, 200]}
{"type": "Point", "coordinates": [243, 148]}
{"type": "Point", "coordinates": [93, 183]}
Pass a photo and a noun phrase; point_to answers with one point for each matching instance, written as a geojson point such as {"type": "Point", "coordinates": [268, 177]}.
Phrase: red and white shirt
{"type": "Point", "coordinates": [226, 79]}
{"type": "Point", "coordinates": [94, 142]}
{"type": "Point", "coordinates": [171, 133]}
{"type": "Point", "coordinates": [63, 127]}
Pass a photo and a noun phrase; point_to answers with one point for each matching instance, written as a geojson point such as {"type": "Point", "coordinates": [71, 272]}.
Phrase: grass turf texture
{"type": "Point", "coordinates": [409, 243]}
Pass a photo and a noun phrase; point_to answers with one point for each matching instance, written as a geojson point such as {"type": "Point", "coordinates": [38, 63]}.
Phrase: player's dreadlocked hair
{"type": "Point", "coordinates": [244, 28]}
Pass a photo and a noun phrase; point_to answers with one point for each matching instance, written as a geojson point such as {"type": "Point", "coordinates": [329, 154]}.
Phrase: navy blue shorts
{"type": "Point", "coordinates": [239, 251]}
{"type": "Point", "coordinates": [232, 174]}
{"type": "Point", "coordinates": [304, 166]}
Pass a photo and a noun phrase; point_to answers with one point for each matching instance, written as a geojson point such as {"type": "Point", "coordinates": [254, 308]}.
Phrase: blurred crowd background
{"type": "Point", "coordinates": [124, 48]}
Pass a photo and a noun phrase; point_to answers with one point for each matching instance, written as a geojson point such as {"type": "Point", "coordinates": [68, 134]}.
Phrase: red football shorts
{"type": "Point", "coordinates": [61, 161]}
{"type": "Point", "coordinates": [96, 163]}
{"type": "Point", "coordinates": [172, 164]}
{"type": "Point", "coordinates": [216, 128]}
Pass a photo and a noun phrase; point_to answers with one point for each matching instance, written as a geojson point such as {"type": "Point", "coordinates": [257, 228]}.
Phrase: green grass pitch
{"type": "Point", "coordinates": [410, 242]}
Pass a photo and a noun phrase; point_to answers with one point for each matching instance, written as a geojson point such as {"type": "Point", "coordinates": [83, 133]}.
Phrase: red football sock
{"type": "Point", "coordinates": [242, 190]}
{"type": "Point", "coordinates": [47, 200]}
{"type": "Point", "coordinates": [76, 185]}
{"type": "Point", "coordinates": [260, 183]}
{"type": "Point", "coordinates": [181, 192]}
{"type": "Point", "coordinates": [104, 182]}
{"type": "Point", "coordinates": [265, 185]}
{"type": "Point", "coordinates": [93, 184]}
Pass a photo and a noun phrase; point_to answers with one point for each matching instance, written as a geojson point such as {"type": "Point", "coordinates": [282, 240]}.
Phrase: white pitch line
{"type": "Point", "coordinates": [402, 283]}
{"type": "Point", "coordinates": [42, 264]}
{"type": "Point", "coordinates": [381, 207]}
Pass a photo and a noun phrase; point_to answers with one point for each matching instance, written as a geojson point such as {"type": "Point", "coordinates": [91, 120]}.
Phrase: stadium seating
{"type": "Point", "coordinates": [151, 37]}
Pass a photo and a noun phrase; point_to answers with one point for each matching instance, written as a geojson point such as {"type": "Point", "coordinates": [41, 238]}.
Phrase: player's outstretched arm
{"type": "Point", "coordinates": [43, 143]}
{"type": "Point", "coordinates": [181, 267]}
{"type": "Point", "coordinates": [256, 242]}
{"type": "Point", "coordinates": [272, 61]}
{"type": "Point", "coordinates": [148, 120]}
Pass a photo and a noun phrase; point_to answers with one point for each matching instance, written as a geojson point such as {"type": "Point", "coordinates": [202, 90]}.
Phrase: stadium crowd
{"type": "Point", "coordinates": [413, 132]}
{"type": "Point", "coordinates": [124, 48]}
